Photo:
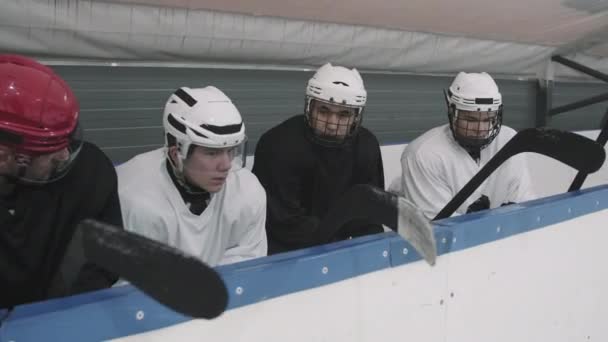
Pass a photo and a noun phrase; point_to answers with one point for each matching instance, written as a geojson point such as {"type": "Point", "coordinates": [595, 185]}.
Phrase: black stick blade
{"type": "Point", "coordinates": [574, 150]}
{"type": "Point", "coordinates": [602, 138]}
{"type": "Point", "coordinates": [173, 278]}
{"type": "Point", "coordinates": [583, 154]}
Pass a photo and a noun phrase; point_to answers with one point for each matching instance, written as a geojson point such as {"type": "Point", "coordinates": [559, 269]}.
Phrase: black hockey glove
{"type": "Point", "coordinates": [482, 203]}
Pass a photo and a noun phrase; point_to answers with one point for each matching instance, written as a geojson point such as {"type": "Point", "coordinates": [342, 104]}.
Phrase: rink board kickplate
{"type": "Point", "coordinates": [123, 311]}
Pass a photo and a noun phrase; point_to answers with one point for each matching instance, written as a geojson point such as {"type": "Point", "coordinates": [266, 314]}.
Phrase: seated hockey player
{"type": "Point", "coordinates": [50, 180]}
{"type": "Point", "coordinates": [193, 193]}
{"type": "Point", "coordinates": [436, 165]}
{"type": "Point", "coordinates": [307, 162]}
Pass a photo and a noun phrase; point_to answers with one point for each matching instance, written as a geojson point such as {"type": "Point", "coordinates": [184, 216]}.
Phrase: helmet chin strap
{"type": "Point", "coordinates": [178, 174]}
{"type": "Point", "coordinates": [195, 198]}
{"type": "Point", "coordinates": [473, 150]}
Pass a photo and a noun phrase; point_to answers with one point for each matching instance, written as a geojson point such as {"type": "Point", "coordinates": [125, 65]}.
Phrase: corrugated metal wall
{"type": "Point", "coordinates": [580, 119]}
{"type": "Point", "coordinates": [122, 106]}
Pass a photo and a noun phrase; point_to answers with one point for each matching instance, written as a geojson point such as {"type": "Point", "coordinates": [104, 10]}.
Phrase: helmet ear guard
{"type": "Point", "coordinates": [450, 106]}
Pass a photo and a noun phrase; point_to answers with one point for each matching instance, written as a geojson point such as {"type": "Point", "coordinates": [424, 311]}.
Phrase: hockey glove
{"type": "Point", "coordinates": [482, 203]}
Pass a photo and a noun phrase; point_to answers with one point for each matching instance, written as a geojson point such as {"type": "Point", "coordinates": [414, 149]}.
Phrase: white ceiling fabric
{"type": "Point", "coordinates": [511, 37]}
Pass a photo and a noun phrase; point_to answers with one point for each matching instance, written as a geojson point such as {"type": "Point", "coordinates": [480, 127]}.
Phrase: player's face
{"type": "Point", "coordinates": [331, 120]}
{"type": "Point", "coordinates": [43, 166]}
{"type": "Point", "coordinates": [208, 168]}
{"type": "Point", "coordinates": [475, 124]}
{"type": "Point", "coordinates": [37, 168]}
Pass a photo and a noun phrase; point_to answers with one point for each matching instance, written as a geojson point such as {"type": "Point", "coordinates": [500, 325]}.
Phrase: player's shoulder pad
{"type": "Point", "coordinates": [431, 144]}
{"type": "Point", "coordinates": [366, 134]}
{"type": "Point", "coordinates": [508, 131]}
{"type": "Point", "coordinates": [247, 185]}
{"type": "Point", "coordinates": [94, 156]}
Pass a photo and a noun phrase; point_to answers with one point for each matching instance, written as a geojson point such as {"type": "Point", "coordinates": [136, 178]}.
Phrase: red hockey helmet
{"type": "Point", "coordinates": [38, 114]}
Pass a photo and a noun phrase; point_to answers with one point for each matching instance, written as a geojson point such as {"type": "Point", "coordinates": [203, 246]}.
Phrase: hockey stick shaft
{"type": "Point", "coordinates": [179, 281]}
{"type": "Point", "coordinates": [475, 182]}
{"type": "Point", "coordinates": [572, 149]}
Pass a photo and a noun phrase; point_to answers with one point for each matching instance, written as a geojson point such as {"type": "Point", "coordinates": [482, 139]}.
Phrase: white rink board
{"type": "Point", "coordinates": [544, 285]}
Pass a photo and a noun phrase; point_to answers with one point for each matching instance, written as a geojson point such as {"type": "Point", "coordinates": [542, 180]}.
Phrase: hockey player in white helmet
{"type": "Point", "coordinates": [335, 99]}
{"type": "Point", "coordinates": [193, 193]}
{"type": "Point", "coordinates": [436, 165]}
{"type": "Point", "coordinates": [307, 162]}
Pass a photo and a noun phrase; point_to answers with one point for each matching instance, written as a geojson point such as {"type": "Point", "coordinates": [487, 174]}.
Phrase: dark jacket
{"type": "Point", "coordinates": [37, 223]}
{"type": "Point", "coordinates": [302, 179]}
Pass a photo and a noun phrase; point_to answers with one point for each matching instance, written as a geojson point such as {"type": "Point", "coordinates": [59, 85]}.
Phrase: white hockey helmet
{"type": "Point", "coordinates": [340, 86]}
{"type": "Point", "coordinates": [475, 92]}
{"type": "Point", "coordinates": [204, 117]}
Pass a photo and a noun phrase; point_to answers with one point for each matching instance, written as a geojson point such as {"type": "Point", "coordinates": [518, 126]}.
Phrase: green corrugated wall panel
{"type": "Point", "coordinates": [122, 106]}
{"type": "Point", "coordinates": [580, 119]}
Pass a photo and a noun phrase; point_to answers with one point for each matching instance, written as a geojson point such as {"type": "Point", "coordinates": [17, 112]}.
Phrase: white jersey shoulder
{"type": "Point", "coordinates": [435, 167]}
{"type": "Point", "coordinates": [230, 229]}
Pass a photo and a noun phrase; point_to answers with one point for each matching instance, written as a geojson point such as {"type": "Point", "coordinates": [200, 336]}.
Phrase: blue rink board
{"type": "Point", "coordinates": [123, 311]}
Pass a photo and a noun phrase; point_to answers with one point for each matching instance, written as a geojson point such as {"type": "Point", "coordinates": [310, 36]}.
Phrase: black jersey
{"type": "Point", "coordinates": [37, 223]}
{"type": "Point", "coordinates": [302, 179]}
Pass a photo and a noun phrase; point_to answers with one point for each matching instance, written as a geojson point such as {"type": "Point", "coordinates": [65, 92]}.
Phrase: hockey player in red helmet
{"type": "Point", "coordinates": [38, 122]}
{"type": "Point", "coordinates": [440, 162]}
{"type": "Point", "coordinates": [50, 179]}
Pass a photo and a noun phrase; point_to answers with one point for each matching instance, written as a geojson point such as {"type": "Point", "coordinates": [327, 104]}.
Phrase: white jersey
{"type": "Point", "coordinates": [231, 228]}
{"type": "Point", "coordinates": [435, 167]}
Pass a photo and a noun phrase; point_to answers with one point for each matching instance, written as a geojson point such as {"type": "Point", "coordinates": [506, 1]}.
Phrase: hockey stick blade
{"type": "Point", "coordinates": [582, 154]}
{"type": "Point", "coordinates": [416, 229]}
{"type": "Point", "coordinates": [602, 138]}
{"type": "Point", "coordinates": [179, 281]}
{"type": "Point", "coordinates": [377, 206]}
